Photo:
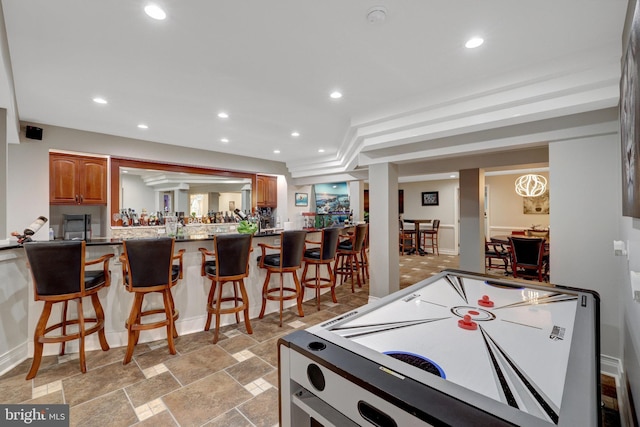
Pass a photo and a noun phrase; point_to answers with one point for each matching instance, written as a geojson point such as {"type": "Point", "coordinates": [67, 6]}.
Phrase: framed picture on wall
{"type": "Point", "coordinates": [630, 124]}
{"type": "Point", "coordinates": [302, 199]}
{"type": "Point", "coordinates": [430, 198]}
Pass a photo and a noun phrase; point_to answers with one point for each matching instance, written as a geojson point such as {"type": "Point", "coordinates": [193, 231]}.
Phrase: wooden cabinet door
{"type": "Point", "coordinates": [77, 180]}
{"type": "Point", "coordinates": [261, 191]}
{"type": "Point", "coordinates": [93, 182]}
{"type": "Point", "coordinates": [272, 192]}
{"type": "Point", "coordinates": [63, 179]}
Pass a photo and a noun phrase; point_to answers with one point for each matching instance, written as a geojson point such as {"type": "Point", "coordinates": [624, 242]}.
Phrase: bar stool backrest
{"type": "Point", "coordinates": [150, 261]}
{"type": "Point", "coordinates": [330, 238]}
{"type": "Point", "coordinates": [292, 248]}
{"type": "Point", "coordinates": [436, 224]}
{"type": "Point", "coordinates": [361, 235]}
{"type": "Point", "coordinates": [57, 267]}
{"type": "Point", "coordinates": [232, 254]}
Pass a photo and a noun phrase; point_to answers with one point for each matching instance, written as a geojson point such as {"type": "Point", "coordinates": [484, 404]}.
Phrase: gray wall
{"type": "Point", "coordinates": [586, 208]}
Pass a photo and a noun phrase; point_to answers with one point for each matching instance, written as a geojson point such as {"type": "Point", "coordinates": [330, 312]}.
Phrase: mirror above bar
{"type": "Point", "coordinates": [170, 188]}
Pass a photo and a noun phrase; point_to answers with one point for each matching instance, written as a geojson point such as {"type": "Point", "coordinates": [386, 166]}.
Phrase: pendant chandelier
{"type": "Point", "coordinates": [531, 185]}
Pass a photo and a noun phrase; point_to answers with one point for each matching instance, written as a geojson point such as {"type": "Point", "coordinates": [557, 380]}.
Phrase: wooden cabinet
{"type": "Point", "coordinates": [77, 180]}
{"type": "Point", "coordinates": [267, 191]}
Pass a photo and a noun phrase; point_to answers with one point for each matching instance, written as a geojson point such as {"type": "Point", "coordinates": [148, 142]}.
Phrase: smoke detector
{"type": "Point", "coordinates": [377, 15]}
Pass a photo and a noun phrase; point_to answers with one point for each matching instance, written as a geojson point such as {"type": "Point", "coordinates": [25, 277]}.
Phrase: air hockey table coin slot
{"type": "Point", "coordinates": [375, 416]}
{"type": "Point", "coordinates": [316, 377]}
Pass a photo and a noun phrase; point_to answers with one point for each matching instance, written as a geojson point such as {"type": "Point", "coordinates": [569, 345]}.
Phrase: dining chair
{"type": "Point", "coordinates": [494, 250]}
{"type": "Point", "coordinates": [430, 237]}
{"type": "Point", "coordinates": [406, 239]}
{"type": "Point", "coordinates": [528, 257]}
{"type": "Point", "coordinates": [59, 275]}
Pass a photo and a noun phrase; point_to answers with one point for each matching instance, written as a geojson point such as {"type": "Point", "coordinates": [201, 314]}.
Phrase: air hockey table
{"type": "Point", "coordinates": [457, 349]}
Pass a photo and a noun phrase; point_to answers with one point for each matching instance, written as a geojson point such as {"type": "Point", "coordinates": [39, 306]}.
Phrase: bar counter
{"type": "Point", "coordinates": [19, 312]}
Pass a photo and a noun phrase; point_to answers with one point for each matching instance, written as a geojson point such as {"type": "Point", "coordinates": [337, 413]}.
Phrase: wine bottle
{"type": "Point", "coordinates": [30, 230]}
{"type": "Point", "coordinates": [240, 214]}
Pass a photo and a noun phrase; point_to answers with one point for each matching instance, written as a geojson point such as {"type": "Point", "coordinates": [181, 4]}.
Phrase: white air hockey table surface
{"type": "Point", "coordinates": [525, 354]}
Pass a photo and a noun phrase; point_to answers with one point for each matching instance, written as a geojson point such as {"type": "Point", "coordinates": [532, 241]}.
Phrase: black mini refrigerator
{"type": "Point", "coordinates": [77, 227]}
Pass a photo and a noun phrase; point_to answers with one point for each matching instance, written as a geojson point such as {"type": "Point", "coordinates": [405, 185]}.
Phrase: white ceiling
{"type": "Point", "coordinates": [271, 65]}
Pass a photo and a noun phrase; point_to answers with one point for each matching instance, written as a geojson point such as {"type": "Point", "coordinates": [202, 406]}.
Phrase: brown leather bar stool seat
{"type": "Point", "coordinates": [147, 267]}
{"type": "Point", "coordinates": [347, 263]}
{"type": "Point", "coordinates": [318, 256]}
{"type": "Point", "coordinates": [59, 275]}
{"type": "Point", "coordinates": [231, 265]}
{"type": "Point", "coordinates": [287, 260]}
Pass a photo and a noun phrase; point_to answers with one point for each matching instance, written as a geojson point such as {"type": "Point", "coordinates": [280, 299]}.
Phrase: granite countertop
{"type": "Point", "coordinates": [105, 241]}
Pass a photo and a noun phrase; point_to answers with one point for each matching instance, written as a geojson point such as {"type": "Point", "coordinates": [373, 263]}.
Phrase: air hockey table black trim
{"type": "Point", "coordinates": [418, 398]}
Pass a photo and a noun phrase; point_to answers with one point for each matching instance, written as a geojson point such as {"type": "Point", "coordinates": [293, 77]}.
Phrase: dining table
{"type": "Point", "coordinates": [416, 223]}
{"type": "Point", "coordinates": [504, 239]}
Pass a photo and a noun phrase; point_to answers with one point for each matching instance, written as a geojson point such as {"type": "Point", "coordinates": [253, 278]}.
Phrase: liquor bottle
{"type": "Point", "coordinates": [125, 218]}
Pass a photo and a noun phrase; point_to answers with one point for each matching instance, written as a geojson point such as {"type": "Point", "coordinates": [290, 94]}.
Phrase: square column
{"type": "Point", "coordinates": [472, 237]}
{"type": "Point", "coordinates": [384, 259]}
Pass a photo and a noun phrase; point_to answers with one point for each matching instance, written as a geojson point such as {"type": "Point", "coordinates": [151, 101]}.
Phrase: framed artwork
{"type": "Point", "coordinates": [302, 199]}
{"type": "Point", "coordinates": [536, 205]}
{"type": "Point", "coordinates": [430, 198]}
{"type": "Point", "coordinates": [630, 123]}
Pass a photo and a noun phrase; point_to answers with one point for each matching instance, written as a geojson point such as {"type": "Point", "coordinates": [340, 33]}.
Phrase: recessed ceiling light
{"type": "Point", "coordinates": [276, 151]}
{"type": "Point", "coordinates": [223, 115]}
{"type": "Point", "coordinates": [143, 126]}
{"type": "Point", "coordinates": [336, 95]}
{"type": "Point", "coordinates": [452, 176]}
{"type": "Point", "coordinates": [295, 134]}
{"type": "Point", "coordinates": [320, 150]}
{"type": "Point", "coordinates": [225, 140]}
{"type": "Point", "coordinates": [155, 12]}
{"type": "Point", "coordinates": [474, 42]}
{"type": "Point", "coordinates": [99, 100]}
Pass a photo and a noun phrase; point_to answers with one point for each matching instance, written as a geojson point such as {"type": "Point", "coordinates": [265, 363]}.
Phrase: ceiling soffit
{"type": "Point", "coordinates": [494, 118]}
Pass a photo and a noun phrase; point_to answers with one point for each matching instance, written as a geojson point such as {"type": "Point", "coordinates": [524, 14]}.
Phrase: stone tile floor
{"type": "Point", "coordinates": [232, 383]}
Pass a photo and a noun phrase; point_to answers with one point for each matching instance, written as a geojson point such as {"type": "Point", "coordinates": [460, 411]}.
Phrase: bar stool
{"type": "Point", "coordinates": [324, 254]}
{"type": "Point", "coordinates": [364, 258]}
{"type": "Point", "coordinates": [231, 265]}
{"type": "Point", "coordinates": [147, 266]}
{"type": "Point", "coordinates": [347, 263]}
{"type": "Point", "coordinates": [430, 237]}
{"type": "Point", "coordinates": [287, 260]}
{"type": "Point", "coordinates": [59, 275]}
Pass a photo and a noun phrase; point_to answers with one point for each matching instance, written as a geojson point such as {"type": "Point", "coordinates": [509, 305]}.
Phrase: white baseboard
{"type": "Point", "coordinates": [12, 358]}
{"type": "Point", "coordinates": [612, 366]}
